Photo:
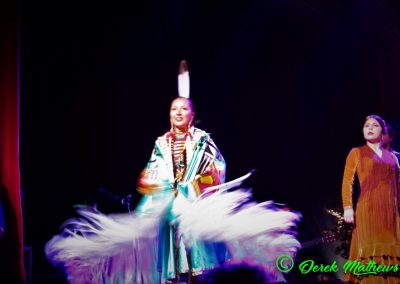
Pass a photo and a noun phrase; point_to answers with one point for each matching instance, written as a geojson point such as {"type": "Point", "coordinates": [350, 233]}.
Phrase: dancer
{"type": "Point", "coordinates": [183, 163]}
{"type": "Point", "coordinates": [376, 235]}
{"type": "Point", "coordinates": [187, 222]}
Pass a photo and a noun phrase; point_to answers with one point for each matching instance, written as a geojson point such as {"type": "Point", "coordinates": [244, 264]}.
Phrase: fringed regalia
{"type": "Point", "coordinates": [188, 221]}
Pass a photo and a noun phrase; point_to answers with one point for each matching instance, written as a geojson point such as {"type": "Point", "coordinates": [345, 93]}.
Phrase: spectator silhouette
{"type": "Point", "coordinates": [236, 273]}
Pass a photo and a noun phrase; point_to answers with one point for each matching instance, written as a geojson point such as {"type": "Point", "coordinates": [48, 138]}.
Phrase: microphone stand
{"type": "Point", "coordinates": [125, 201]}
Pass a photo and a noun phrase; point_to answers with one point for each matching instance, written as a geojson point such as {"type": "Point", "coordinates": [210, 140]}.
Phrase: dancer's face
{"type": "Point", "coordinates": [181, 114]}
{"type": "Point", "coordinates": [372, 131]}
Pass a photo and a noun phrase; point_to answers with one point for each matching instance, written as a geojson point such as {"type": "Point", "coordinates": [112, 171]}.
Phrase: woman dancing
{"type": "Point", "coordinates": [187, 222]}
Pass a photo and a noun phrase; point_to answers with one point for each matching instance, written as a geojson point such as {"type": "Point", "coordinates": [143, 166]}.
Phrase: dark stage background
{"type": "Point", "coordinates": [283, 87]}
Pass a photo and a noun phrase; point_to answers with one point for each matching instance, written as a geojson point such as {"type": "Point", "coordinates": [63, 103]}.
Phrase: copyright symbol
{"type": "Point", "coordinates": [284, 263]}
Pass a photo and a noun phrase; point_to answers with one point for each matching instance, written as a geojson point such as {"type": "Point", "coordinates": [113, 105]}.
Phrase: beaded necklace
{"type": "Point", "coordinates": [178, 149]}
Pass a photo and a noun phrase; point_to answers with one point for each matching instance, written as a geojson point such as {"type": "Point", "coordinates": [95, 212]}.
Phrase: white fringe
{"type": "Point", "coordinates": [97, 247]}
{"type": "Point", "coordinates": [98, 235]}
{"type": "Point", "coordinates": [229, 217]}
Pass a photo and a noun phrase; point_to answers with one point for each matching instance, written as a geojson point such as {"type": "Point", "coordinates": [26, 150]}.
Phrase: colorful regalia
{"type": "Point", "coordinates": [188, 221]}
{"type": "Point", "coordinates": [187, 224]}
{"type": "Point", "coordinates": [184, 165]}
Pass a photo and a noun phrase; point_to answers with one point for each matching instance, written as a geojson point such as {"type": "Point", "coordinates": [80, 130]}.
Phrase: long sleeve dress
{"type": "Point", "coordinates": [376, 235]}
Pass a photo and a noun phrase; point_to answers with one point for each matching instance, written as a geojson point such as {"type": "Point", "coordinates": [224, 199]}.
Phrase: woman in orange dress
{"type": "Point", "coordinates": [376, 235]}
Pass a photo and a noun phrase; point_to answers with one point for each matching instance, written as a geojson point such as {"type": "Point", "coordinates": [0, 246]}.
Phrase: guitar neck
{"type": "Point", "coordinates": [311, 243]}
{"type": "Point", "coordinates": [324, 240]}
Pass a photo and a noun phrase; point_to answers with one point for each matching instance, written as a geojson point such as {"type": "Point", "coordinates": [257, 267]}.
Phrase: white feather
{"type": "Point", "coordinates": [184, 85]}
{"type": "Point", "coordinates": [117, 248]}
{"type": "Point", "coordinates": [95, 246]}
{"type": "Point", "coordinates": [225, 216]}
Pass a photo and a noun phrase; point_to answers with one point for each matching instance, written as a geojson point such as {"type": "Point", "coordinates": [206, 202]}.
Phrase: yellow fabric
{"type": "Point", "coordinates": [202, 182]}
{"type": "Point", "coordinates": [376, 235]}
{"type": "Point", "coordinates": [196, 187]}
{"type": "Point", "coordinates": [207, 179]}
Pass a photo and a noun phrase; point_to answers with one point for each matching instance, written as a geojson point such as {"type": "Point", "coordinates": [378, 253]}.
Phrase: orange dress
{"type": "Point", "coordinates": [376, 235]}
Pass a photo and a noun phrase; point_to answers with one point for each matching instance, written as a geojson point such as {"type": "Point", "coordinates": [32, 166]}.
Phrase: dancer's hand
{"type": "Point", "coordinates": [150, 184]}
{"type": "Point", "coordinates": [348, 215]}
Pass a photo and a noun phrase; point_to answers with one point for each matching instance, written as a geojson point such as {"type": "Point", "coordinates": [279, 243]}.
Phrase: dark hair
{"type": "Point", "coordinates": [191, 104]}
{"type": "Point", "coordinates": [389, 130]}
{"type": "Point", "coordinates": [190, 101]}
{"type": "Point", "coordinates": [379, 120]}
{"type": "Point", "coordinates": [236, 273]}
